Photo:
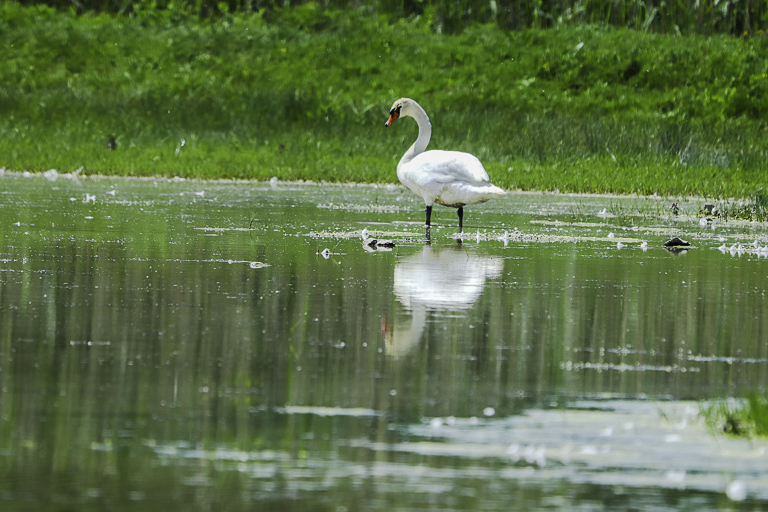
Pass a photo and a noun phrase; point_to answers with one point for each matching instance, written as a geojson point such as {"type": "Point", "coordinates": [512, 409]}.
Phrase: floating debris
{"type": "Point", "coordinates": [677, 242]}
{"type": "Point", "coordinates": [215, 229]}
{"type": "Point", "coordinates": [258, 264]}
{"type": "Point", "coordinates": [624, 367]}
{"type": "Point", "coordinates": [373, 242]}
{"type": "Point", "coordinates": [736, 490]}
{"type": "Point", "coordinates": [737, 249]}
{"type": "Point", "coordinates": [327, 411]}
{"type": "Point", "coordinates": [363, 207]}
{"type": "Point", "coordinates": [374, 245]}
{"type": "Point", "coordinates": [404, 236]}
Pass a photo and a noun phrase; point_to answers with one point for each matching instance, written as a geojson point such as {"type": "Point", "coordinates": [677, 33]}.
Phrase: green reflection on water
{"type": "Point", "coordinates": [188, 343]}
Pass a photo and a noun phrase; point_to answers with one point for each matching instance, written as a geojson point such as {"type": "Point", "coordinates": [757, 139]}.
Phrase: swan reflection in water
{"type": "Point", "coordinates": [447, 279]}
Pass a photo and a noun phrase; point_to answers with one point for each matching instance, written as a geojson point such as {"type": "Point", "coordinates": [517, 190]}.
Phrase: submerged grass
{"type": "Point", "coordinates": [304, 94]}
{"type": "Point", "coordinates": [747, 417]}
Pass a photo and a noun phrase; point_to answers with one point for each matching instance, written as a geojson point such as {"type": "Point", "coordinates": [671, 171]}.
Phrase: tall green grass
{"type": "Point", "coordinates": [452, 16]}
{"type": "Point", "coordinates": [302, 93]}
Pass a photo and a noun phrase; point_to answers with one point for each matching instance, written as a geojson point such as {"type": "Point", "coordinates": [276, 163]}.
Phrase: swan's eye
{"type": "Point", "coordinates": [395, 110]}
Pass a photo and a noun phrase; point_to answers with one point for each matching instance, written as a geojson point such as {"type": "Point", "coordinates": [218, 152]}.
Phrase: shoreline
{"type": "Point", "coordinates": [7, 173]}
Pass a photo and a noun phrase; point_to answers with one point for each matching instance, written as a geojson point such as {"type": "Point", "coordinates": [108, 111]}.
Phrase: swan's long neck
{"type": "Point", "coordinates": [425, 133]}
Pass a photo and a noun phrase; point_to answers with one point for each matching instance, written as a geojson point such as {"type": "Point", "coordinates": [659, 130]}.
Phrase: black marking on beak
{"type": "Point", "coordinates": [394, 113]}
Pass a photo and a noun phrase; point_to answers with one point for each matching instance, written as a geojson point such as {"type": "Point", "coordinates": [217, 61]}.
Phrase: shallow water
{"type": "Point", "coordinates": [236, 346]}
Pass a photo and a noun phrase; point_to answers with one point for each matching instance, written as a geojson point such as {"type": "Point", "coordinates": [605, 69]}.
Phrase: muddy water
{"type": "Point", "coordinates": [237, 346]}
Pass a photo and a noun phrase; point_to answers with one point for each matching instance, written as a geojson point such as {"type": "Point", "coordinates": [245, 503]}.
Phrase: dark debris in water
{"type": "Point", "coordinates": [677, 242]}
{"type": "Point", "coordinates": [373, 242]}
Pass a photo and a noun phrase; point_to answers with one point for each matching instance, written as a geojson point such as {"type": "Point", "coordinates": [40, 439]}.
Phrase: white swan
{"type": "Point", "coordinates": [450, 178]}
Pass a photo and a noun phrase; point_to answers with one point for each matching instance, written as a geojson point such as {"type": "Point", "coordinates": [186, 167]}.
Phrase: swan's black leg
{"type": "Point", "coordinates": [429, 214]}
{"type": "Point", "coordinates": [461, 217]}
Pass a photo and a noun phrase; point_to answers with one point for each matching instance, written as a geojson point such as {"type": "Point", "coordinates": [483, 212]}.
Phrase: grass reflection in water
{"type": "Point", "coordinates": [161, 347]}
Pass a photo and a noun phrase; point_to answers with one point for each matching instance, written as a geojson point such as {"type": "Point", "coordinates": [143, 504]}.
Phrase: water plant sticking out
{"type": "Point", "coordinates": [747, 417]}
{"type": "Point", "coordinates": [754, 210]}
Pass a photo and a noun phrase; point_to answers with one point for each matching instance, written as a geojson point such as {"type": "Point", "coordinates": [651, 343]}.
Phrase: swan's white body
{"type": "Point", "coordinates": [449, 178]}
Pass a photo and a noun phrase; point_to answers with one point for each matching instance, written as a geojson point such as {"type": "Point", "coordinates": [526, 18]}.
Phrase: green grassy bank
{"type": "Point", "coordinates": [304, 95]}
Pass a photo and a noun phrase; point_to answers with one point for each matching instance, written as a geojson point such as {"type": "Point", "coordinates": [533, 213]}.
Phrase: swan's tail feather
{"type": "Point", "coordinates": [496, 191]}
{"type": "Point", "coordinates": [488, 192]}
{"type": "Point", "coordinates": [460, 194]}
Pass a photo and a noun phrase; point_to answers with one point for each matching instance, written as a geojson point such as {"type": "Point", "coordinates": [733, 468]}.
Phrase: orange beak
{"type": "Point", "coordinates": [392, 117]}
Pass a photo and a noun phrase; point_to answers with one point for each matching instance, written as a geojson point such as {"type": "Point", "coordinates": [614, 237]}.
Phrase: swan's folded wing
{"type": "Point", "coordinates": [444, 166]}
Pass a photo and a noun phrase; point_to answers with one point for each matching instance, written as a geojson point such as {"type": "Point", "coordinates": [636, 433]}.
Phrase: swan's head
{"type": "Point", "coordinates": [399, 108]}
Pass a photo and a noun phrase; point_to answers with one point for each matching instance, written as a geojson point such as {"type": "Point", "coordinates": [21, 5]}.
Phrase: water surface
{"type": "Point", "coordinates": [237, 346]}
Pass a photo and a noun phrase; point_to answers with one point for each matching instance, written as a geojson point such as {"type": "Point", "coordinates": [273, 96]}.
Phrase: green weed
{"type": "Point", "coordinates": [747, 417]}
{"type": "Point", "coordinates": [755, 208]}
